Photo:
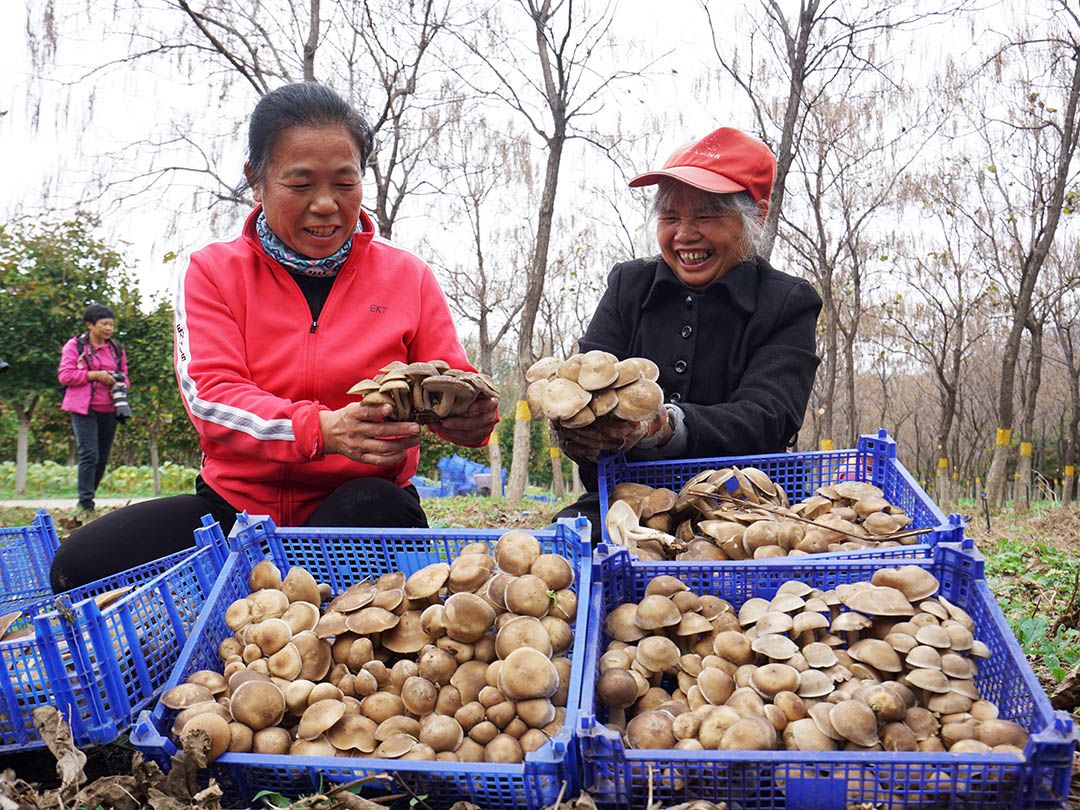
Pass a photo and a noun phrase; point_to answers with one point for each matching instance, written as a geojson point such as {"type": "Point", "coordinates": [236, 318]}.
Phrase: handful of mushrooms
{"type": "Point", "coordinates": [740, 514]}
{"type": "Point", "coordinates": [870, 666]}
{"type": "Point", "coordinates": [425, 392]}
{"type": "Point", "coordinates": [458, 662]}
{"type": "Point", "coordinates": [585, 392]}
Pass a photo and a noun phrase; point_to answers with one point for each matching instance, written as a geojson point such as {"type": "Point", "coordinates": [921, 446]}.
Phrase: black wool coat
{"type": "Point", "coordinates": [738, 357]}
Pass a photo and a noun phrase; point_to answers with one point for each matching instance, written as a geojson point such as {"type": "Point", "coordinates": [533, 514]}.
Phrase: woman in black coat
{"type": "Point", "coordinates": [733, 337]}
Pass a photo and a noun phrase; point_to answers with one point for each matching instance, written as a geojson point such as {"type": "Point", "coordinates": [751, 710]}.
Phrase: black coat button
{"type": "Point", "coordinates": [687, 331]}
{"type": "Point", "coordinates": [689, 300]}
{"type": "Point", "coordinates": [680, 367]}
{"type": "Point", "coordinates": [676, 397]}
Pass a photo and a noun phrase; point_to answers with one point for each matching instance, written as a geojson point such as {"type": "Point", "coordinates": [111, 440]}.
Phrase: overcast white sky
{"type": "Point", "coordinates": [52, 160]}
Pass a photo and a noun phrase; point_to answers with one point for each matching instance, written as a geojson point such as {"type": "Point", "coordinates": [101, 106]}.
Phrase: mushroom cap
{"type": "Point", "coordinates": [877, 600]}
{"type": "Point", "coordinates": [353, 732]}
{"type": "Point", "coordinates": [770, 679]}
{"type": "Point", "coordinates": [427, 582]}
{"type": "Point", "coordinates": [656, 612]}
{"type": "Point", "coordinates": [562, 398]}
{"type": "Point", "coordinates": [186, 694]}
{"type": "Point", "coordinates": [597, 370]}
{"type": "Point", "coordinates": [804, 735]}
{"type": "Point", "coordinates": [855, 721]}
{"type": "Point", "coordinates": [543, 369]}
{"type": "Point", "coordinates": [467, 617]}
{"type": "Point", "coordinates": [657, 653]}
{"type": "Point", "coordinates": [516, 551]}
{"type": "Point", "coordinates": [257, 704]}
{"type": "Point", "coordinates": [407, 636]}
{"type": "Point", "coordinates": [616, 688]}
{"type": "Point", "coordinates": [639, 400]}
{"type": "Point", "coordinates": [215, 727]}
{"type": "Point", "coordinates": [527, 673]}
{"type": "Point", "coordinates": [651, 730]}
{"type": "Point", "coordinates": [369, 620]}
{"type": "Point", "coordinates": [914, 582]}
{"type": "Point", "coordinates": [319, 717]}
{"type": "Point", "coordinates": [300, 586]}
{"type": "Point", "coordinates": [877, 653]}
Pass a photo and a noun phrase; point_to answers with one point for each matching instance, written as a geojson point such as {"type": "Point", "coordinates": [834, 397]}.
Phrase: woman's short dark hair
{"type": "Point", "coordinates": [304, 104]}
{"type": "Point", "coordinates": [95, 312]}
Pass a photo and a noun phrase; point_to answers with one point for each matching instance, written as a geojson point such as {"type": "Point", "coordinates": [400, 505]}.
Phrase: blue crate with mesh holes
{"type": "Point", "coordinates": [617, 777]}
{"type": "Point", "coordinates": [26, 555]}
{"type": "Point", "coordinates": [800, 474]}
{"type": "Point", "coordinates": [341, 557]}
{"type": "Point", "coordinates": [101, 653]}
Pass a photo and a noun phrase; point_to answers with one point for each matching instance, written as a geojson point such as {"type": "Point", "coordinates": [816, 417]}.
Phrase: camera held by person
{"type": "Point", "coordinates": [119, 396]}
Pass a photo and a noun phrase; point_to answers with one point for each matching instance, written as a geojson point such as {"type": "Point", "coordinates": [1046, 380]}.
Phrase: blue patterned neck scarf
{"type": "Point", "coordinates": [297, 262]}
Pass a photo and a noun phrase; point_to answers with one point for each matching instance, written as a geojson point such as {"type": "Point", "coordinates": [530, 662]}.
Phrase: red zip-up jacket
{"type": "Point", "coordinates": [255, 370]}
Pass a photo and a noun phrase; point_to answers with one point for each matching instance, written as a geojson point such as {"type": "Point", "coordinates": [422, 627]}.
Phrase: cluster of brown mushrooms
{"type": "Point", "coordinates": [869, 666]}
{"type": "Point", "coordinates": [459, 662]}
{"type": "Point", "coordinates": [425, 392]}
{"type": "Point", "coordinates": [585, 391]}
{"type": "Point", "coordinates": [740, 514]}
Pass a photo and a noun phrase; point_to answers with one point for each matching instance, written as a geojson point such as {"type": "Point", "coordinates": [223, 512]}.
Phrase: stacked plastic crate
{"type": "Point", "coordinates": [341, 558]}
{"type": "Point", "coordinates": [616, 776]}
{"type": "Point", "coordinates": [101, 652]}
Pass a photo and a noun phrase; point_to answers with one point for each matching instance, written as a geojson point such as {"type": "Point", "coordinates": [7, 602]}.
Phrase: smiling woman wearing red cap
{"type": "Point", "coordinates": [734, 338]}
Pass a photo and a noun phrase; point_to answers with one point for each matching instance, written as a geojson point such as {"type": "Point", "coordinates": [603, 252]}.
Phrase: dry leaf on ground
{"type": "Point", "coordinates": [55, 731]}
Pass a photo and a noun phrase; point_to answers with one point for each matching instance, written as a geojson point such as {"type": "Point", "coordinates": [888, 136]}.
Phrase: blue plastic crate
{"type": "Point", "coordinates": [101, 666]}
{"type": "Point", "coordinates": [341, 557]}
{"type": "Point", "coordinates": [26, 555]}
{"type": "Point", "coordinates": [783, 780]}
{"type": "Point", "coordinates": [800, 474]}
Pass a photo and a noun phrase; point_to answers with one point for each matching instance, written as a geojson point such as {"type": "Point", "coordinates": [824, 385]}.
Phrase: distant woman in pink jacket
{"type": "Point", "coordinates": [90, 365]}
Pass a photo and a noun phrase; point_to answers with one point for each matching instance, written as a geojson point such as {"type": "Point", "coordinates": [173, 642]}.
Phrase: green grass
{"type": "Point", "coordinates": [52, 480]}
{"type": "Point", "coordinates": [1036, 585]}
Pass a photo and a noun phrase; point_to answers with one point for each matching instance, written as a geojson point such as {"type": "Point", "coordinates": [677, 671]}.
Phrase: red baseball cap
{"type": "Point", "coordinates": [724, 161]}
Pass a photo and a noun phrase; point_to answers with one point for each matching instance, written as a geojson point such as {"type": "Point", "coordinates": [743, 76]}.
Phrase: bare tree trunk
{"type": "Point", "coordinates": [519, 461]}
{"type": "Point", "coordinates": [312, 43]}
{"type": "Point", "coordinates": [1027, 421]}
{"type": "Point", "coordinates": [21, 444]}
{"type": "Point", "coordinates": [155, 462]}
{"type": "Point", "coordinates": [558, 485]}
{"type": "Point", "coordinates": [575, 480]}
{"type": "Point", "coordinates": [534, 292]}
{"type": "Point", "coordinates": [23, 412]}
{"type": "Point", "coordinates": [1052, 197]}
{"type": "Point", "coordinates": [495, 464]}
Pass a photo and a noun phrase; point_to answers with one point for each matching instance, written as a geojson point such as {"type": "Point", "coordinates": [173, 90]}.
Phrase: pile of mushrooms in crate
{"type": "Point", "coordinates": [464, 661]}
{"type": "Point", "coordinates": [425, 392]}
{"type": "Point", "coordinates": [740, 513]}
{"type": "Point", "coordinates": [879, 665]}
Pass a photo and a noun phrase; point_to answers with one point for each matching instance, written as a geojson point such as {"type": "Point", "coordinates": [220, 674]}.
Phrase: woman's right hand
{"type": "Point", "coordinates": [101, 377]}
{"type": "Point", "coordinates": [358, 432]}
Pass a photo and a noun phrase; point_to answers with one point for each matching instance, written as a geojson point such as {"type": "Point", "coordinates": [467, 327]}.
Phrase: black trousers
{"type": "Point", "coordinates": [149, 530]}
{"type": "Point", "coordinates": [94, 433]}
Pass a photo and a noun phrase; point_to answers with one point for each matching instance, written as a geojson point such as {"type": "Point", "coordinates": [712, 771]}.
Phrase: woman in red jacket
{"type": "Point", "coordinates": [271, 330]}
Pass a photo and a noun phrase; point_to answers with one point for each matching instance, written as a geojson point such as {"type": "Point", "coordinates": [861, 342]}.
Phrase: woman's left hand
{"type": "Point", "coordinates": [475, 426]}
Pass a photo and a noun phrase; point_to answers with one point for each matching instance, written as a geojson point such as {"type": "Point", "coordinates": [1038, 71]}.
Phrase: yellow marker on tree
{"type": "Point", "coordinates": [522, 412]}
{"type": "Point", "coordinates": [943, 463]}
{"type": "Point", "coordinates": [826, 444]}
{"type": "Point", "coordinates": [1025, 449]}
{"type": "Point", "coordinates": [1070, 470]}
{"type": "Point", "coordinates": [554, 451]}
{"type": "Point", "coordinates": [1004, 436]}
